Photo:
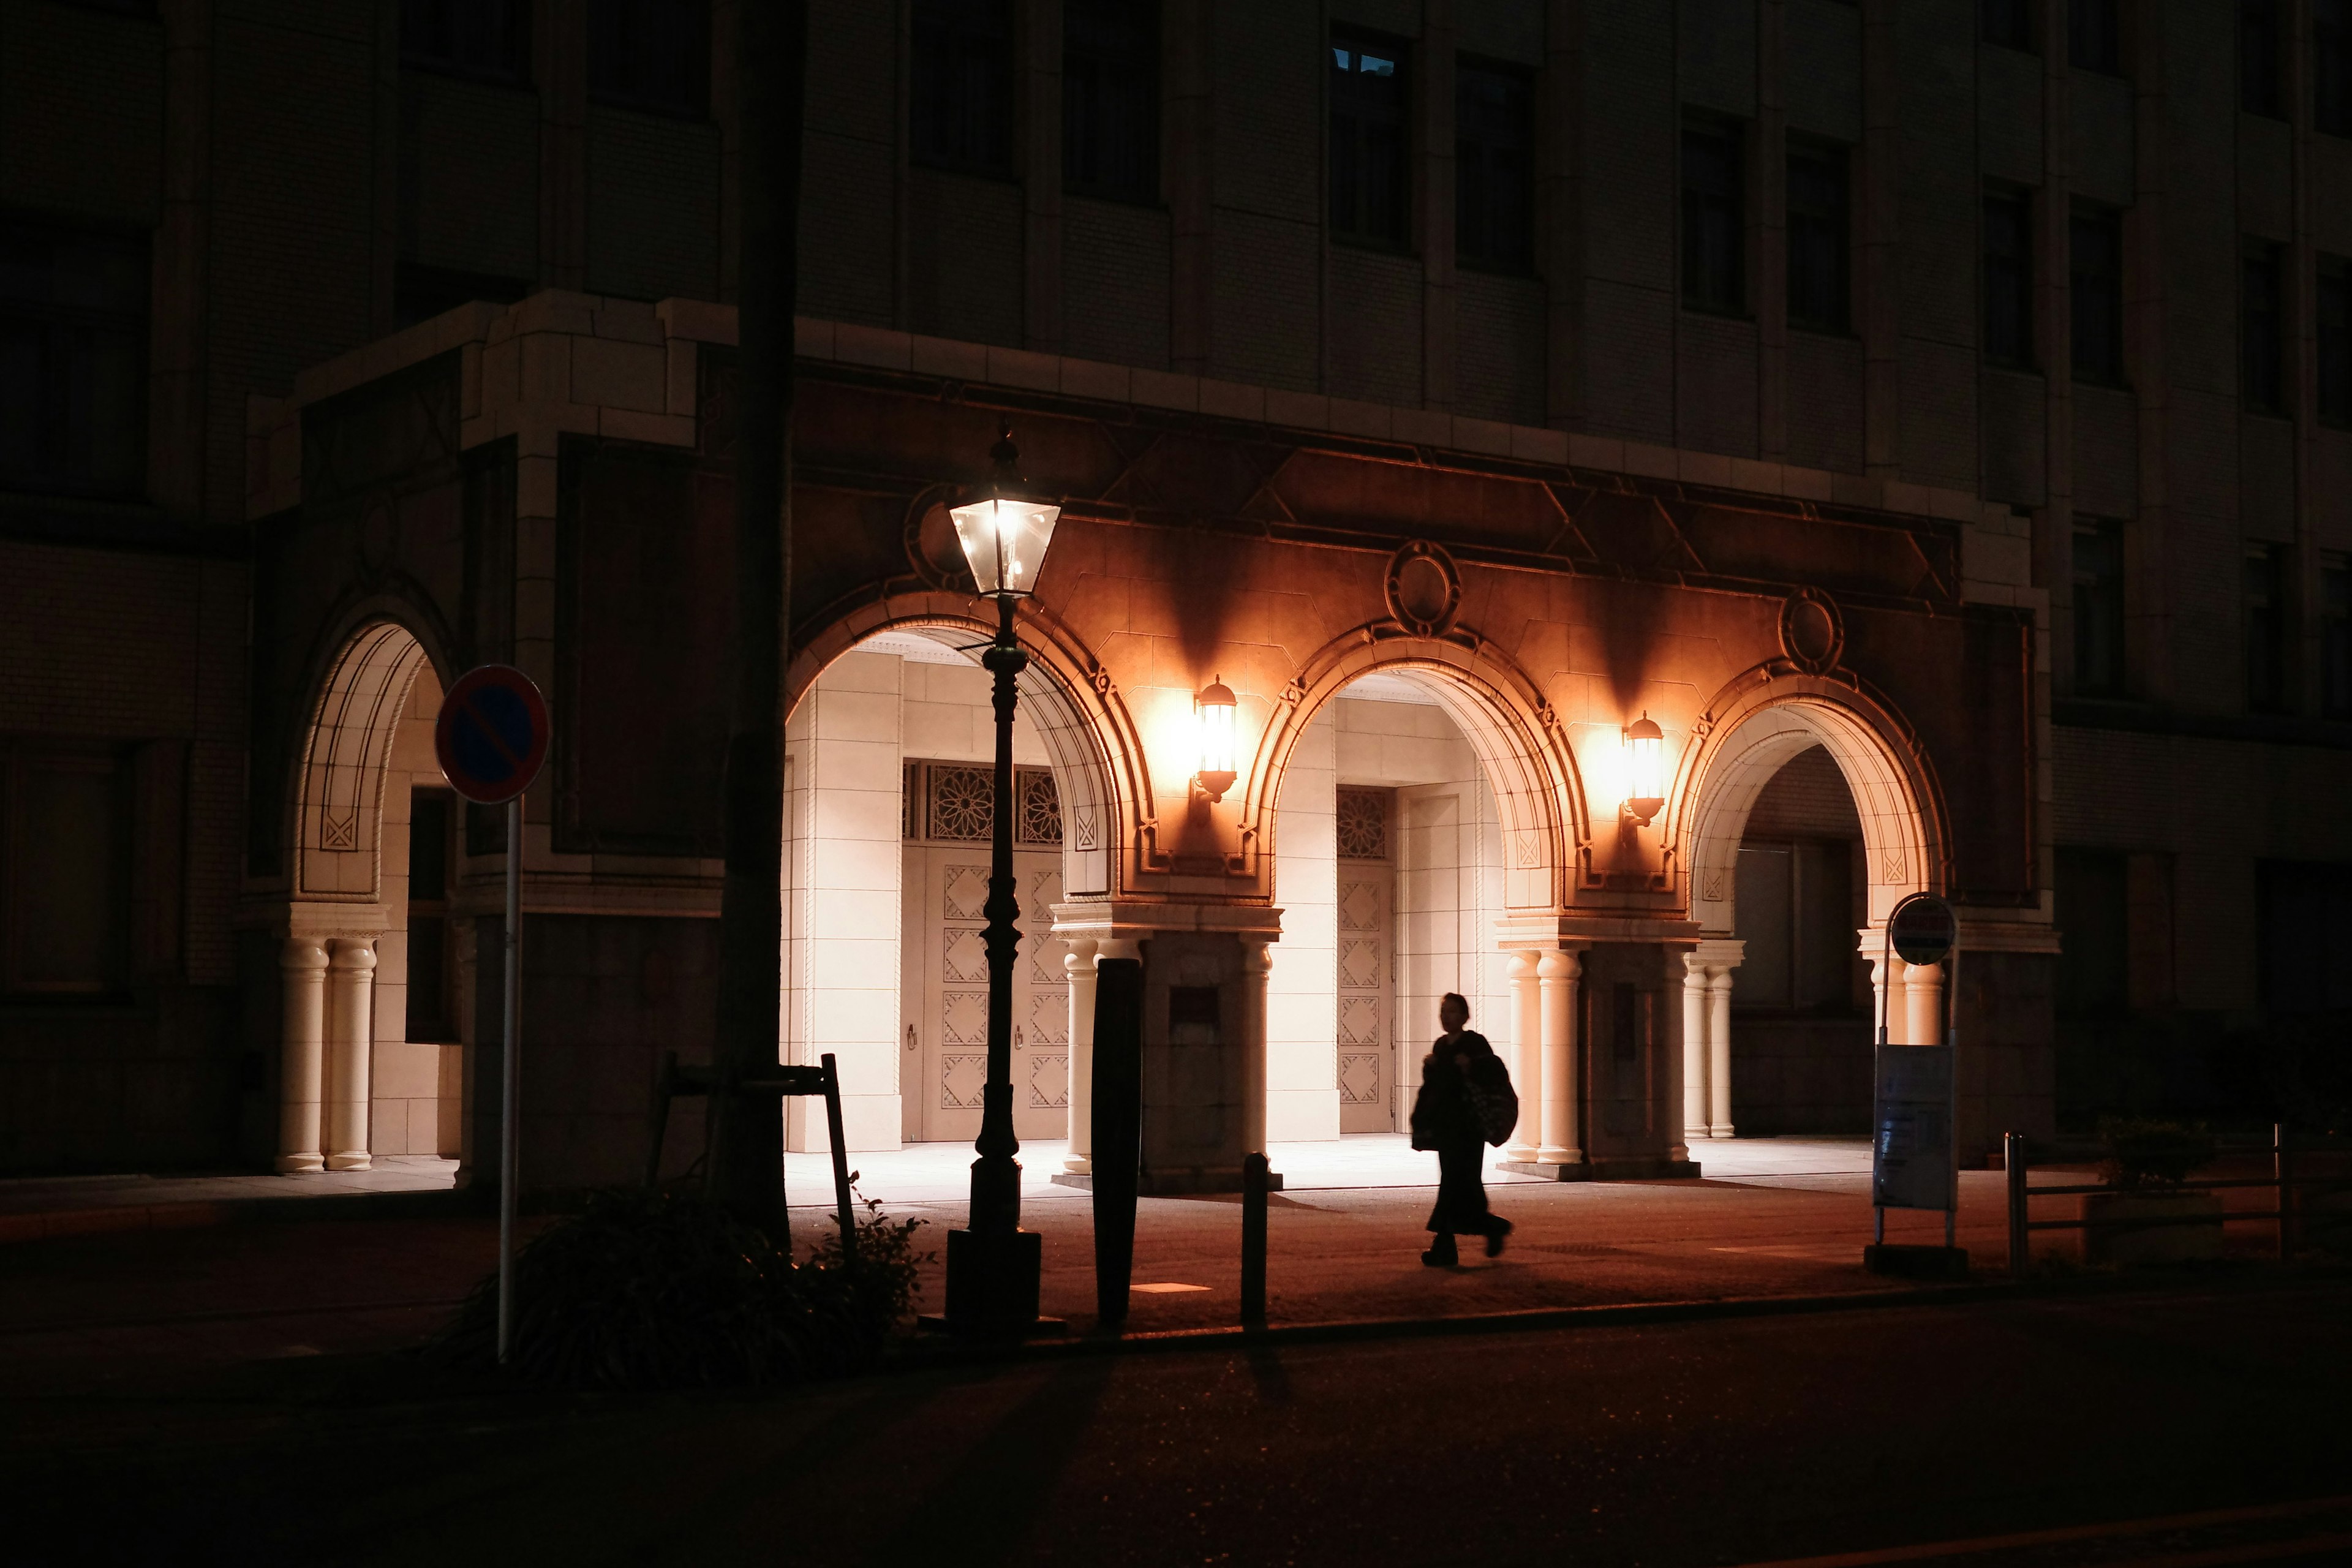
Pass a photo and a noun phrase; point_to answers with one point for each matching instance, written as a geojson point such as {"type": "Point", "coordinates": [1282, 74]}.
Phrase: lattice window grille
{"type": "Point", "coordinates": [1039, 820]}
{"type": "Point", "coordinates": [1363, 825]}
{"type": "Point", "coordinates": [958, 800]}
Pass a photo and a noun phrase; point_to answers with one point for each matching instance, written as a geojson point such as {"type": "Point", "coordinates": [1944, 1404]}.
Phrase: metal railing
{"type": "Point", "coordinates": [2283, 1179]}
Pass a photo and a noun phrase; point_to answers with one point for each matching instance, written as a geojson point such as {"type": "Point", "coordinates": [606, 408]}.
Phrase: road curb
{"type": "Point", "coordinates": [44, 1225]}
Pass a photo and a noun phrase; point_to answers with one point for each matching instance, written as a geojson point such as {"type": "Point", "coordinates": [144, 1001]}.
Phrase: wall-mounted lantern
{"type": "Point", "coordinates": [1645, 770]}
{"type": "Point", "coordinates": [1213, 711]}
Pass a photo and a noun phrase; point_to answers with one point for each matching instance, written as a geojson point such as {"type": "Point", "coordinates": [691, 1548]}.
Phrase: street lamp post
{"type": "Point", "coordinates": [993, 1264]}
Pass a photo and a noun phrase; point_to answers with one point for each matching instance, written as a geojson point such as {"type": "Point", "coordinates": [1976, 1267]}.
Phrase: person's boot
{"type": "Point", "coordinates": [1495, 1235]}
{"type": "Point", "coordinates": [1442, 1253]}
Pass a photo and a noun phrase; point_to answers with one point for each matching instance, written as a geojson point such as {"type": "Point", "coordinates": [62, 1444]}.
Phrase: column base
{"type": "Point", "coordinates": [1635, 1168]}
{"type": "Point", "coordinates": [1556, 1155]}
{"type": "Point", "coordinates": [359, 1162]}
{"type": "Point", "coordinates": [299, 1164]}
{"type": "Point", "coordinates": [1078, 1165]}
{"type": "Point", "coordinates": [1697, 1134]}
{"type": "Point", "coordinates": [1721, 1130]}
{"type": "Point", "coordinates": [1529, 1151]}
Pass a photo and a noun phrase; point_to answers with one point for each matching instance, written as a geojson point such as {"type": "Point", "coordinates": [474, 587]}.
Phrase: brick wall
{"type": "Point", "coordinates": [653, 206]}
{"type": "Point", "coordinates": [1115, 282]}
{"type": "Point", "coordinates": [468, 162]}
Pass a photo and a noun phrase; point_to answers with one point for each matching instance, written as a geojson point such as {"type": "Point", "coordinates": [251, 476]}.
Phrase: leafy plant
{"type": "Point", "coordinates": [666, 1289]}
{"type": "Point", "coordinates": [2145, 1156]}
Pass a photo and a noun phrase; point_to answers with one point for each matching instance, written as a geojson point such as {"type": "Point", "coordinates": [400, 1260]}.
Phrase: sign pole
{"type": "Point", "coordinates": [511, 1072]}
{"type": "Point", "coordinates": [1952, 1114]}
{"type": "Point", "coordinates": [1886, 1003]}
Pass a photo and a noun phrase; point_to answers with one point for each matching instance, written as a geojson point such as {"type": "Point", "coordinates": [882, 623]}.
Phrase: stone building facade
{"type": "Point", "coordinates": [1929, 413]}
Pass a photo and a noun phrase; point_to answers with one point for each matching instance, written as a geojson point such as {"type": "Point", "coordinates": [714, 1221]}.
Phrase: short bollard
{"type": "Point", "coordinates": [1254, 1185]}
{"type": "Point", "coordinates": [2013, 1166]}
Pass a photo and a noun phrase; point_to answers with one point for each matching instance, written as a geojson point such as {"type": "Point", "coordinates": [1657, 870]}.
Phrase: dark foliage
{"type": "Point", "coordinates": [665, 1291]}
{"type": "Point", "coordinates": [2144, 1156]}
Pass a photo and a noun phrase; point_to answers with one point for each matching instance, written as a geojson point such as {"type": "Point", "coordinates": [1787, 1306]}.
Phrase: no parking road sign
{"type": "Point", "coordinates": [491, 736]}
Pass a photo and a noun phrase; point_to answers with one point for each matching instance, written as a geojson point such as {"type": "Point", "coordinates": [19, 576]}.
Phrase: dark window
{"type": "Point", "coordinates": [962, 109]}
{"type": "Point", "coordinates": [421, 293]}
{"type": "Point", "coordinates": [1368, 144]}
{"type": "Point", "coordinates": [2099, 610]}
{"type": "Point", "coordinates": [1819, 235]}
{"type": "Point", "coordinates": [64, 869]}
{"type": "Point", "coordinates": [1110, 99]}
{"type": "Point", "coordinates": [2260, 328]}
{"type": "Point", "coordinates": [1493, 169]}
{"type": "Point", "coordinates": [651, 54]}
{"type": "Point", "coordinates": [73, 361]}
{"type": "Point", "coordinates": [2094, 39]}
{"type": "Point", "coordinates": [1715, 258]}
{"type": "Point", "coordinates": [2008, 23]}
{"type": "Point", "coordinates": [2336, 637]}
{"type": "Point", "coordinates": [2093, 908]}
{"type": "Point", "coordinates": [2258, 56]}
{"type": "Point", "coordinates": [489, 39]}
{"type": "Point", "coordinates": [2098, 302]}
{"type": "Point", "coordinates": [2335, 340]}
{"type": "Point", "coordinates": [2265, 611]}
{"type": "Point", "coordinates": [431, 840]}
{"type": "Point", "coordinates": [2009, 279]}
{"type": "Point", "coordinates": [2331, 66]}
{"type": "Point", "coordinates": [2303, 928]}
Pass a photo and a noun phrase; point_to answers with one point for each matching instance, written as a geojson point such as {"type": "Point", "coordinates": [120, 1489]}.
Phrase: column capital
{"type": "Point", "coordinates": [1560, 963]}
{"type": "Point", "coordinates": [301, 952]}
{"type": "Point", "coordinates": [1521, 964]}
{"type": "Point", "coordinates": [351, 952]}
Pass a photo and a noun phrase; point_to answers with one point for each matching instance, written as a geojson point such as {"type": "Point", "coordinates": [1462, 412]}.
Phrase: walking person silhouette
{"type": "Point", "coordinates": [1466, 1102]}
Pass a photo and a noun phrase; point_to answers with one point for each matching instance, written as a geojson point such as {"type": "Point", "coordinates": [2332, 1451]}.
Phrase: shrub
{"type": "Point", "coordinates": [666, 1289]}
{"type": "Point", "coordinates": [2147, 1156]}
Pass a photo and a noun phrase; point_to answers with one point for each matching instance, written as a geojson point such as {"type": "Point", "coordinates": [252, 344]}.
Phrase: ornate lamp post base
{"type": "Point", "coordinates": [993, 1284]}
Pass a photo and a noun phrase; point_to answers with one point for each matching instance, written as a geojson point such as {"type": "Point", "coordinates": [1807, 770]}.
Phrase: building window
{"type": "Point", "coordinates": [2303, 928]}
{"type": "Point", "coordinates": [2260, 328]}
{"type": "Point", "coordinates": [1110, 99]}
{"type": "Point", "coordinates": [2097, 301]}
{"type": "Point", "coordinates": [73, 361]}
{"type": "Point", "coordinates": [961, 113]}
{"type": "Point", "coordinates": [64, 871]}
{"type": "Point", "coordinates": [1819, 240]}
{"type": "Point", "coordinates": [1368, 145]}
{"type": "Point", "coordinates": [2331, 66]}
{"type": "Point", "coordinates": [2009, 279]}
{"type": "Point", "coordinates": [2099, 609]}
{"type": "Point", "coordinates": [2091, 895]}
{"type": "Point", "coordinates": [2095, 39]}
{"type": "Point", "coordinates": [489, 40]}
{"type": "Point", "coordinates": [432, 841]}
{"type": "Point", "coordinates": [2008, 23]}
{"type": "Point", "coordinates": [955, 803]}
{"type": "Point", "coordinates": [1715, 259]}
{"type": "Point", "coordinates": [2335, 340]}
{"type": "Point", "coordinates": [2258, 57]}
{"type": "Point", "coordinates": [2335, 636]}
{"type": "Point", "coordinates": [652, 55]}
{"type": "Point", "coordinates": [1493, 169]}
{"type": "Point", "coordinates": [1363, 824]}
{"type": "Point", "coordinates": [2265, 611]}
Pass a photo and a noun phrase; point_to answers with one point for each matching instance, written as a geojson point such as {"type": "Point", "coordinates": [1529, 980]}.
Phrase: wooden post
{"type": "Point", "coordinates": [1117, 1131]}
{"type": "Point", "coordinates": [2013, 1166]}
{"type": "Point", "coordinates": [1254, 1185]}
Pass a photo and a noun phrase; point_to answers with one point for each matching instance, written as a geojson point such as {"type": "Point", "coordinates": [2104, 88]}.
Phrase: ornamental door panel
{"type": "Point", "coordinates": [1365, 973]}
{"type": "Point", "coordinates": [948, 1050]}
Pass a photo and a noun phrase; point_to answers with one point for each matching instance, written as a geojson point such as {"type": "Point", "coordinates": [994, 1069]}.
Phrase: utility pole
{"type": "Point", "coordinates": [747, 1148]}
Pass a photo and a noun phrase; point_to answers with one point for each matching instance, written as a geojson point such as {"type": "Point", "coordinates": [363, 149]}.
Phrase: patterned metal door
{"type": "Point", "coordinates": [952, 1027]}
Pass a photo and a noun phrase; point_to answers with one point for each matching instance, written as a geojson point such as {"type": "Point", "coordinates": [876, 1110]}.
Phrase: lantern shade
{"type": "Point", "coordinates": [1213, 711]}
{"type": "Point", "coordinates": [1645, 768]}
{"type": "Point", "coordinates": [1005, 540]}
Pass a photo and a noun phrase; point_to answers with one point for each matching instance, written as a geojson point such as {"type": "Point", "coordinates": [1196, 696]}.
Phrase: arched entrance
{"type": "Point", "coordinates": [370, 1053]}
{"type": "Point", "coordinates": [889, 788]}
{"type": "Point", "coordinates": [1747, 739]}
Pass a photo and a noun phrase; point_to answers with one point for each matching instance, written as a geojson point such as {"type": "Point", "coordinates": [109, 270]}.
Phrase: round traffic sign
{"type": "Point", "coordinates": [1923, 928]}
{"type": "Point", "coordinates": [491, 736]}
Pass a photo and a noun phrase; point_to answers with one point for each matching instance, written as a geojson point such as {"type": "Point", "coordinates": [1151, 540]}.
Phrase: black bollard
{"type": "Point", "coordinates": [1253, 1185]}
{"type": "Point", "coordinates": [1117, 1154]}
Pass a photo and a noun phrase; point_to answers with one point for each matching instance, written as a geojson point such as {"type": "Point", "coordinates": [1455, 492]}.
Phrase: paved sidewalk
{"type": "Point", "coordinates": [40, 1206]}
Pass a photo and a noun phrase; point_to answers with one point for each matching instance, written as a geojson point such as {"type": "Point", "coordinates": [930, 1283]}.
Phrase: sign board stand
{"type": "Point", "coordinates": [491, 740]}
{"type": "Point", "coordinates": [1915, 1103]}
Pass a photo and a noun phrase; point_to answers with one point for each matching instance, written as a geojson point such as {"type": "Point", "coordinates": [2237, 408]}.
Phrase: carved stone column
{"type": "Point", "coordinates": [1923, 1003]}
{"type": "Point", "coordinates": [1563, 1142]}
{"type": "Point", "coordinates": [351, 1032]}
{"type": "Point", "coordinates": [1526, 1034]}
{"type": "Point", "coordinates": [1694, 1053]}
{"type": "Point", "coordinates": [1887, 997]}
{"type": "Point", "coordinates": [1718, 1050]}
{"type": "Point", "coordinates": [303, 965]}
{"type": "Point", "coordinates": [1078, 964]}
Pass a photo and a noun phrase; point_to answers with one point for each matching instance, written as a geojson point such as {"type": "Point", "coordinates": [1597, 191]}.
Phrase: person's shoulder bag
{"type": "Point", "coordinates": [1494, 1103]}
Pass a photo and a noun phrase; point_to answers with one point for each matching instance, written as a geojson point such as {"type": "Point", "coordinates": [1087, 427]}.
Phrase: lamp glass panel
{"type": "Point", "coordinates": [1645, 767]}
{"type": "Point", "coordinates": [1005, 542]}
{"type": "Point", "coordinates": [1217, 726]}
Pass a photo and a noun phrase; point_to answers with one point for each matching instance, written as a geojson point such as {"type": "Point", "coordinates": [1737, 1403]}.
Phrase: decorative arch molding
{"type": "Point", "coordinates": [1512, 727]}
{"type": "Point", "coordinates": [1099, 767]}
{"type": "Point", "coordinates": [1754, 726]}
{"type": "Point", "coordinates": [338, 795]}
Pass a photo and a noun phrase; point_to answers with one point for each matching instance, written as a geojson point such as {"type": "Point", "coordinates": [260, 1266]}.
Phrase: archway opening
{"type": "Point", "coordinates": [889, 791]}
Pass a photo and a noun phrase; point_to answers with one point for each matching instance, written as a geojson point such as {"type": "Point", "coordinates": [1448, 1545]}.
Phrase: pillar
{"type": "Point", "coordinates": [1257, 963]}
{"type": "Point", "coordinates": [1526, 1034]}
{"type": "Point", "coordinates": [350, 1030]}
{"type": "Point", "coordinates": [1556, 972]}
{"type": "Point", "coordinates": [1695, 1061]}
{"type": "Point", "coordinates": [1886, 1001]}
{"type": "Point", "coordinates": [1078, 964]}
{"type": "Point", "coordinates": [303, 965]}
{"type": "Point", "coordinates": [1718, 1050]}
{"type": "Point", "coordinates": [1923, 1003]}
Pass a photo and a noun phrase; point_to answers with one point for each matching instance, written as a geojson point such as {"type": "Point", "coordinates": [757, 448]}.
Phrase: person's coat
{"type": "Point", "coordinates": [1446, 1110]}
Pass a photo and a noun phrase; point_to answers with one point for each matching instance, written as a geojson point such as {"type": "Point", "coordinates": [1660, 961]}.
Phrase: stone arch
{"type": "Point", "coordinates": [1511, 727]}
{"type": "Point", "coordinates": [338, 805]}
{"type": "Point", "coordinates": [1754, 727]}
{"type": "Point", "coordinates": [1099, 770]}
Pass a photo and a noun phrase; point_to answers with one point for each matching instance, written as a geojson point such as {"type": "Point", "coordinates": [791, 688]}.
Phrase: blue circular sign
{"type": "Point", "coordinates": [491, 736]}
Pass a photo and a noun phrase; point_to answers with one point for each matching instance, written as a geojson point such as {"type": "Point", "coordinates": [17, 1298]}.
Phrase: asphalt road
{"type": "Point", "coordinates": [1715, 1442]}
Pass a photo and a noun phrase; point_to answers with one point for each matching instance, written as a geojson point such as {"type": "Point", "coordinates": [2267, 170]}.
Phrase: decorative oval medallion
{"type": "Point", "coordinates": [930, 541]}
{"type": "Point", "coordinates": [1812, 633]}
{"type": "Point", "coordinates": [1424, 589]}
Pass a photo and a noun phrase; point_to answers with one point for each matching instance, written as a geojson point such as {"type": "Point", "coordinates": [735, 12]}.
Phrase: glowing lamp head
{"type": "Point", "coordinates": [1213, 711]}
{"type": "Point", "coordinates": [1004, 533]}
{"type": "Point", "coordinates": [1645, 770]}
